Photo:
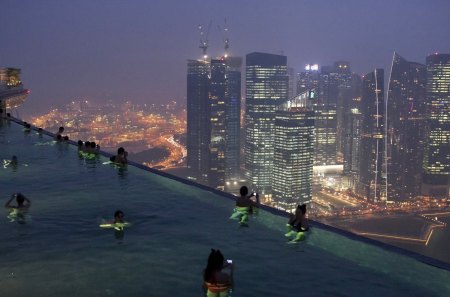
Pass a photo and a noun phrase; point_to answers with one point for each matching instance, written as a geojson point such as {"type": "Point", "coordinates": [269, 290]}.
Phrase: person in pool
{"type": "Point", "coordinates": [244, 206]}
{"type": "Point", "coordinates": [59, 133]}
{"type": "Point", "coordinates": [298, 224]}
{"type": "Point", "coordinates": [216, 281]}
{"type": "Point", "coordinates": [23, 202]}
{"type": "Point", "coordinates": [118, 217]}
{"type": "Point", "coordinates": [121, 157]}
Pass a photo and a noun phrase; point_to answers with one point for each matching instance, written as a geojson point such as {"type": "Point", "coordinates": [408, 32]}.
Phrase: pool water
{"type": "Point", "coordinates": [61, 251]}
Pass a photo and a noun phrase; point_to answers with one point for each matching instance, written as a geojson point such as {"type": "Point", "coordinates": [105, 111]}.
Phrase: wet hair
{"type": "Point", "coordinates": [66, 137]}
{"type": "Point", "coordinates": [120, 150]}
{"type": "Point", "coordinates": [302, 208]}
{"type": "Point", "coordinates": [87, 144]}
{"type": "Point", "coordinates": [14, 158]}
{"type": "Point", "coordinates": [59, 137]}
{"type": "Point", "coordinates": [61, 129]}
{"type": "Point", "coordinates": [19, 198]}
{"type": "Point", "coordinates": [80, 143]}
{"type": "Point", "coordinates": [40, 129]}
{"type": "Point", "coordinates": [27, 125]}
{"type": "Point", "coordinates": [117, 213]}
{"type": "Point", "coordinates": [243, 191]}
{"type": "Point", "coordinates": [215, 263]}
{"type": "Point", "coordinates": [93, 144]}
{"type": "Point", "coordinates": [112, 158]}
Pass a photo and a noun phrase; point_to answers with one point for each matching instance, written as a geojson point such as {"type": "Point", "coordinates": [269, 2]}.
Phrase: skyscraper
{"type": "Point", "coordinates": [352, 131]}
{"type": "Point", "coordinates": [371, 184]}
{"type": "Point", "coordinates": [293, 153]}
{"type": "Point", "coordinates": [217, 146]}
{"type": "Point", "coordinates": [266, 88]}
{"type": "Point", "coordinates": [233, 118]}
{"type": "Point", "coordinates": [436, 163]}
{"type": "Point", "coordinates": [405, 115]}
{"type": "Point", "coordinates": [198, 120]}
{"type": "Point", "coordinates": [12, 93]}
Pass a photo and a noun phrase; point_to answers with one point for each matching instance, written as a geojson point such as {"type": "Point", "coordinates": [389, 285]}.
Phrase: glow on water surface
{"type": "Point", "coordinates": [61, 251]}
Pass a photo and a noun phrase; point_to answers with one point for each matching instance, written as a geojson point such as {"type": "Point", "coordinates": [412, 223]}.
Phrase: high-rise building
{"type": "Point", "coordinates": [436, 165]}
{"type": "Point", "coordinates": [405, 116]}
{"type": "Point", "coordinates": [12, 93]}
{"type": "Point", "coordinates": [371, 184]}
{"type": "Point", "coordinates": [266, 88]}
{"type": "Point", "coordinates": [198, 120]}
{"type": "Point", "coordinates": [352, 131]}
{"type": "Point", "coordinates": [233, 119]}
{"type": "Point", "coordinates": [217, 146]}
{"type": "Point", "coordinates": [293, 153]}
{"type": "Point", "coordinates": [213, 120]}
{"type": "Point", "coordinates": [342, 91]}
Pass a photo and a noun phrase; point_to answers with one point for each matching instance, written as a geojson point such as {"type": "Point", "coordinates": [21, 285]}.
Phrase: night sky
{"type": "Point", "coordinates": [137, 50]}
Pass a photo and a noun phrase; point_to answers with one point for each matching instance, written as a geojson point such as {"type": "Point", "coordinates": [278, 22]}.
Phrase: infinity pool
{"type": "Point", "coordinates": [61, 251]}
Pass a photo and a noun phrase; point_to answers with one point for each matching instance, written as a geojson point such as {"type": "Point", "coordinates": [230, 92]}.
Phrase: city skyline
{"type": "Point", "coordinates": [137, 51]}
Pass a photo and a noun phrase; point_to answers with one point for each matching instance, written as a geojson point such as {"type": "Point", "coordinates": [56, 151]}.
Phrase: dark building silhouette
{"type": "Point", "coordinates": [213, 120]}
{"type": "Point", "coordinates": [352, 124]}
{"type": "Point", "coordinates": [233, 119]}
{"type": "Point", "coordinates": [12, 93]}
{"type": "Point", "coordinates": [198, 120]}
{"type": "Point", "coordinates": [436, 163]}
{"type": "Point", "coordinates": [266, 88]}
{"type": "Point", "coordinates": [405, 116]}
{"type": "Point", "coordinates": [371, 184]}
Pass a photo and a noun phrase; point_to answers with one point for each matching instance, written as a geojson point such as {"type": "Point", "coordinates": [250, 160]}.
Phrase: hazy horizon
{"type": "Point", "coordinates": [138, 50]}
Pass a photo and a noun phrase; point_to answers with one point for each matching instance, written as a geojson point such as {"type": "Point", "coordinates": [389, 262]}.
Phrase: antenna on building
{"type": "Point", "coordinates": [225, 38]}
{"type": "Point", "coordinates": [204, 39]}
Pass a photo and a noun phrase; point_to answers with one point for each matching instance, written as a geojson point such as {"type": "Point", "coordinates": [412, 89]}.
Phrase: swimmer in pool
{"type": "Point", "coordinates": [118, 223]}
{"type": "Point", "coordinates": [244, 206]}
{"type": "Point", "coordinates": [17, 212]}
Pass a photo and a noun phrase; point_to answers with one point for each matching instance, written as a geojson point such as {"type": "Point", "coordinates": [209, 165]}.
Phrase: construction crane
{"type": "Point", "coordinates": [204, 39]}
{"type": "Point", "coordinates": [226, 41]}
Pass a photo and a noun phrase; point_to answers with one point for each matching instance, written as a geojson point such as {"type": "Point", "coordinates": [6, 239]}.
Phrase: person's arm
{"type": "Point", "coordinates": [7, 204]}
{"type": "Point", "coordinates": [28, 202]}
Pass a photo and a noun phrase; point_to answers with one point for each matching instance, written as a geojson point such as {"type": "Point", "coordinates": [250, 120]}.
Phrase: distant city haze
{"type": "Point", "coordinates": [137, 50]}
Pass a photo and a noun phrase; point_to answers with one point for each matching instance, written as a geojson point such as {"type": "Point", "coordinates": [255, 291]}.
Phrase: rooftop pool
{"type": "Point", "coordinates": [59, 250]}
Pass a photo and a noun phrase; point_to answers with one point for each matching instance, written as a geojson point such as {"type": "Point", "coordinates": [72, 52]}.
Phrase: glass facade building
{"type": "Point", "coordinates": [405, 116]}
{"type": "Point", "coordinates": [293, 153]}
{"type": "Point", "coordinates": [436, 163]}
{"type": "Point", "coordinates": [198, 120]}
{"type": "Point", "coordinates": [266, 88]}
{"type": "Point", "coordinates": [371, 183]}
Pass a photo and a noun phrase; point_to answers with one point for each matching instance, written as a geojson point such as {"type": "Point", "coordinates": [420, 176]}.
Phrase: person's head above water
{"type": "Point", "coordinates": [61, 129]}
{"type": "Point", "coordinates": [120, 151]}
{"type": "Point", "coordinates": [80, 143]}
{"type": "Point", "coordinates": [93, 144]}
{"type": "Point", "coordinates": [243, 191]}
{"type": "Point", "coordinates": [118, 216]}
{"type": "Point", "coordinates": [14, 159]}
{"type": "Point", "coordinates": [19, 198]}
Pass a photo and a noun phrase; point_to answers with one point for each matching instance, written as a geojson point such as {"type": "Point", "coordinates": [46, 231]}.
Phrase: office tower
{"type": "Point", "coordinates": [405, 115]}
{"type": "Point", "coordinates": [266, 88]}
{"type": "Point", "coordinates": [292, 89]}
{"type": "Point", "coordinates": [198, 120]}
{"type": "Point", "coordinates": [12, 93]}
{"type": "Point", "coordinates": [308, 79]}
{"type": "Point", "coordinates": [342, 91]}
{"type": "Point", "coordinates": [233, 118]}
{"type": "Point", "coordinates": [293, 153]}
{"type": "Point", "coordinates": [436, 163]}
{"type": "Point", "coordinates": [352, 131]}
{"type": "Point", "coordinates": [371, 184]}
{"type": "Point", "coordinates": [217, 90]}
{"type": "Point", "coordinates": [325, 121]}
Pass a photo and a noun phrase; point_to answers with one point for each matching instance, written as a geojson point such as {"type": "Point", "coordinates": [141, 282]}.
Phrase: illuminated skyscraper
{"type": "Point", "coordinates": [217, 90]}
{"type": "Point", "coordinates": [436, 163]}
{"type": "Point", "coordinates": [198, 120]}
{"type": "Point", "coordinates": [213, 120]}
{"type": "Point", "coordinates": [371, 184]}
{"type": "Point", "coordinates": [293, 153]}
{"type": "Point", "coordinates": [266, 88]}
{"type": "Point", "coordinates": [12, 93]}
{"type": "Point", "coordinates": [405, 128]}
